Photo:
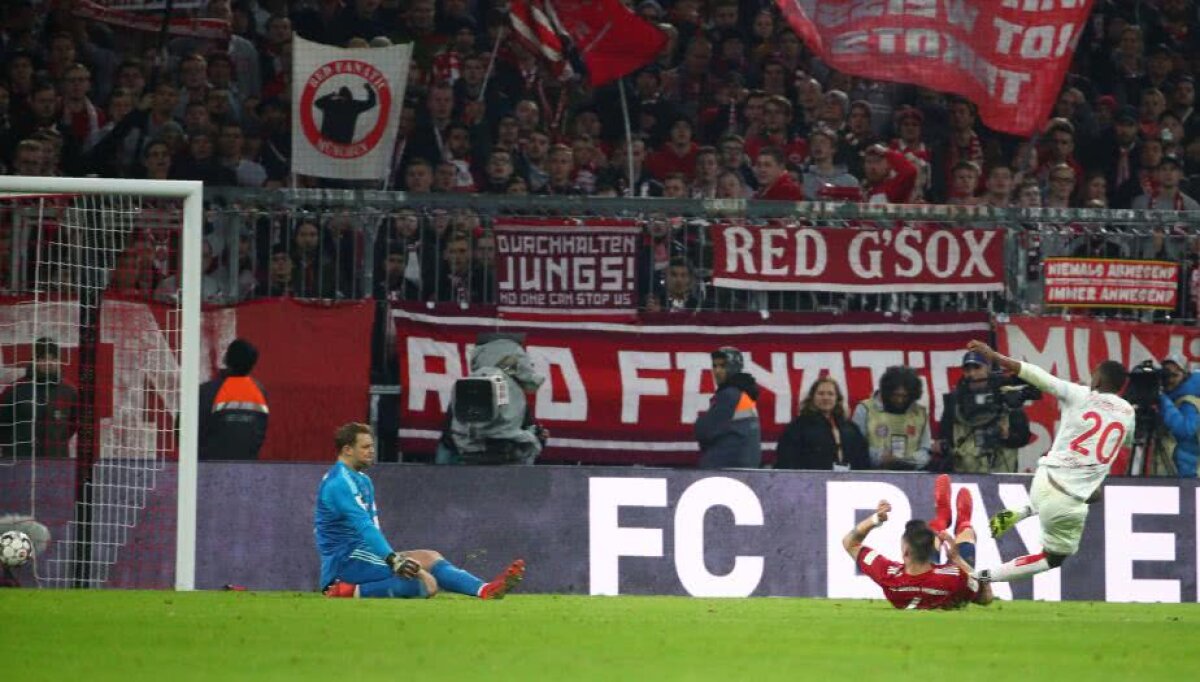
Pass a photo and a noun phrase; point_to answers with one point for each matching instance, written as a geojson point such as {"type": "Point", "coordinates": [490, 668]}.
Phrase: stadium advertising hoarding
{"type": "Point", "coordinates": [1007, 56]}
{"type": "Point", "coordinates": [795, 258]}
{"type": "Point", "coordinates": [1110, 283]}
{"type": "Point", "coordinates": [608, 530]}
{"type": "Point", "coordinates": [1071, 349]}
{"type": "Point", "coordinates": [567, 267]}
{"type": "Point", "coordinates": [618, 393]}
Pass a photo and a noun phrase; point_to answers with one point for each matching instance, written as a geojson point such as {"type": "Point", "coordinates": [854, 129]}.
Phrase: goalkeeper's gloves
{"type": "Point", "coordinates": [403, 566]}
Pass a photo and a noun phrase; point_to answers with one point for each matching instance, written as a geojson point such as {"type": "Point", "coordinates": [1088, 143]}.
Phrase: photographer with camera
{"type": "Point", "coordinates": [489, 420]}
{"type": "Point", "coordinates": [983, 420]}
{"type": "Point", "coordinates": [1179, 414]}
{"type": "Point", "coordinates": [895, 423]}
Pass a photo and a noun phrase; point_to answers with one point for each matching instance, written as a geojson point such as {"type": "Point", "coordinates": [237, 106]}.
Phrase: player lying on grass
{"type": "Point", "coordinates": [1096, 423]}
{"type": "Point", "coordinates": [918, 582]}
{"type": "Point", "coordinates": [356, 559]}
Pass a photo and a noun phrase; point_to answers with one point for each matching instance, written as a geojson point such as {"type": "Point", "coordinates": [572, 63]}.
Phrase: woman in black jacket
{"type": "Point", "coordinates": [822, 436]}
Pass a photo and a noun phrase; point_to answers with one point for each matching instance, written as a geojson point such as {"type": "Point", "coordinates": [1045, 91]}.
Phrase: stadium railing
{"type": "Point", "coordinates": [335, 244]}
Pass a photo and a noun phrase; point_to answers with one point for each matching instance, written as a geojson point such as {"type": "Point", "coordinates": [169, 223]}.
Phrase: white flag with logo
{"type": "Point", "coordinates": [346, 108]}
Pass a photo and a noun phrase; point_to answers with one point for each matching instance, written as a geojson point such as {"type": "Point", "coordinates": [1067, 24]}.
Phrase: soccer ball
{"type": "Point", "coordinates": [15, 548]}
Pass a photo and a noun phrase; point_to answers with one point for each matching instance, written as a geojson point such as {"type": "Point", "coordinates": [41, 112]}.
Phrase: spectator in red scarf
{"type": "Point", "coordinates": [889, 177]}
{"type": "Point", "coordinates": [909, 122]}
{"type": "Point", "coordinates": [774, 181]}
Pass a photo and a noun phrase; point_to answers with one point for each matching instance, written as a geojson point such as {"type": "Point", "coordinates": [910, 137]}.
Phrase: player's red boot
{"type": "Point", "coordinates": [941, 504]}
{"type": "Point", "coordinates": [506, 581]}
{"type": "Point", "coordinates": [963, 506]}
{"type": "Point", "coordinates": [339, 589]}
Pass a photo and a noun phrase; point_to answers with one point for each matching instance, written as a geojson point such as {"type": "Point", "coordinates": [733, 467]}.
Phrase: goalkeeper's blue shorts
{"type": "Point", "coordinates": [375, 579]}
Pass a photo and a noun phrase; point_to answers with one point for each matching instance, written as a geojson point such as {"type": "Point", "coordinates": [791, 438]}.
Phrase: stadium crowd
{"type": "Point", "coordinates": [734, 107]}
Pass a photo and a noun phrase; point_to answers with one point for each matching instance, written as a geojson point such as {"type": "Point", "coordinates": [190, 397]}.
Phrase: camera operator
{"type": "Point", "coordinates": [489, 421]}
{"type": "Point", "coordinates": [1179, 413]}
{"type": "Point", "coordinates": [983, 421]}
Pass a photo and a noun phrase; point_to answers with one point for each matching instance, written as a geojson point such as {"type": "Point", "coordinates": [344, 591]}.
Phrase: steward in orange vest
{"type": "Point", "coordinates": [729, 433]}
{"type": "Point", "coordinates": [233, 408]}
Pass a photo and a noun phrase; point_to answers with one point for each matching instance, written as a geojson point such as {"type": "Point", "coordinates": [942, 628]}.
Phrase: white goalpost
{"type": "Point", "coordinates": [100, 349]}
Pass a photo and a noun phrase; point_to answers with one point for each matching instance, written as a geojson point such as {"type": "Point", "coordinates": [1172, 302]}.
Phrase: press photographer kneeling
{"type": "Point", "coordinates": [983, 422]}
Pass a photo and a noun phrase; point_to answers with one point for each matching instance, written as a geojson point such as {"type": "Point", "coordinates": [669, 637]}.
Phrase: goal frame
{"type": "Point", "coordinates": [192, 193]}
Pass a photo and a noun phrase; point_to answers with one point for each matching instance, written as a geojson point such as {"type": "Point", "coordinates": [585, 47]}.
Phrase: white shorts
{"type": "Point", "coordinates": [1062, 516]}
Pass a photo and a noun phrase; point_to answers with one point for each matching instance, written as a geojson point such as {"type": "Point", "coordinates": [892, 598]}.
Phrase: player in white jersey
{"type": "Point", "coordinates": [1095, 424]}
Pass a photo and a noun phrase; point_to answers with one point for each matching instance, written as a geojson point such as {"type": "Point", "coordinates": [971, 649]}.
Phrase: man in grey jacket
{"type": "Point", "coordinates": [729, 433]}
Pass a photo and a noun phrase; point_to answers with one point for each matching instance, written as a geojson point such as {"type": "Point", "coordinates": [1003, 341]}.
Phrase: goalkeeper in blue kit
{"type": "Point", "coordinates": [357, 560]}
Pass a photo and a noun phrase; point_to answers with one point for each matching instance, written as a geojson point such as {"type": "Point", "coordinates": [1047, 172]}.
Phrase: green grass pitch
{"type": "Point", "coordinates": [171, 637]}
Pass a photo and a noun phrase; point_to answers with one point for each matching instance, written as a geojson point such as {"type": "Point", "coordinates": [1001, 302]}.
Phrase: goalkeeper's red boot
{"type": "Point", "coordinates": [941, 504]}
{"type": "Point", "coordinates": [506, 581]}
{"type": "Point", "coordinates": [963, 506]}
{"type": "Point", "coordinates": [339, 589]}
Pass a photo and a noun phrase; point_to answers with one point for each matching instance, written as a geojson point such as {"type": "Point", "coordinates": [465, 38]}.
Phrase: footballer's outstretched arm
{"type": "Point", "coordinates": [1032, 373]}
{"type": "Point", "coordinates": [852, 543]}
{"type": "Point", "coordinates": [1002, 361]}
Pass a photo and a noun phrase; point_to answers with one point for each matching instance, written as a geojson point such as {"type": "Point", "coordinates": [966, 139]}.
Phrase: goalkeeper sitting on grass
{"type": "Point", "coordinates": [357, 561]}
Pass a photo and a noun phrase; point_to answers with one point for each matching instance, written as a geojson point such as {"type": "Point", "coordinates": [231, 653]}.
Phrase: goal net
{"type": "Point", "coordinates": [99, 349]}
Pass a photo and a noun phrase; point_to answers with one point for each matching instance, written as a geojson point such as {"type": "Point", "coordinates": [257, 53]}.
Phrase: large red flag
{"type": "Point", "coordinates": [1009, 57]}
{"type": "Point", "coordinates": [610, 40]}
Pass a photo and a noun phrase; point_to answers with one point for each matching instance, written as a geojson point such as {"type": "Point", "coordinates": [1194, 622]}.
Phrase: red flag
{"type": "Point", "coordinates": [608, 39]}
{"type": "Point", "coordinates": [209, 29]}
{"type": "Point", "coordinates": [533, 28]}
{"type": "Point", "coordinates": [1009, 57]}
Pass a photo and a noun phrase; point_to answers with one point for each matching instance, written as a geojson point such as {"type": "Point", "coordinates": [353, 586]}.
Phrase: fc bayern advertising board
{"type": "Point", "coordinates": [620, 530]}
{"type": "Point", "coordinates": [630, 392]}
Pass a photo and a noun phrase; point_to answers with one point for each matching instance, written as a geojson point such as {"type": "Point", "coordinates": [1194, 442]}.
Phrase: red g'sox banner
{"type": "Point", "coordinates": [1007, 56]}
{"type": "Point", "coordinates": [566, 267]}
{"type": "Point", "coordinates": [625, 393]}
{"type": "Point", "coordinates": [791, 258]}
{"type": "Point", "coordinates": [1111, 283]}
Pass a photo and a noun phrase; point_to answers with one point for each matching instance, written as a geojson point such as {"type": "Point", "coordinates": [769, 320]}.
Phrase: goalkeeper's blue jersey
{"type": "Point", "coordinates": [346, 523]}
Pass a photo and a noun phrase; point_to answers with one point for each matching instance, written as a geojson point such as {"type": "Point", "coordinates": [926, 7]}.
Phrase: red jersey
{"type": "Point", "coordinates": [784, 189]}
{"type": "Point", "coordinates": [943, 587]}
{"type": "Point", "coordinates": [897, 188]}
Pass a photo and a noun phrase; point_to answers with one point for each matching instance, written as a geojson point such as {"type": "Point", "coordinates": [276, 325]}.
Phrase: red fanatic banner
{"type": "Point", "coordinates": [1111, 283]}
{"type": "Point", "coordinates": [629, 393]}
{"type": "Point", "coordinates": [314, 362]}
{"type": "Point", "coordinates": [1009, 57]}
{"type": "Point", "coordinates": [1072, 348]}
{"type": "Point", "coordinates": [566, 267]}
{"type": "Point", "coordinates": [791, 258]}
